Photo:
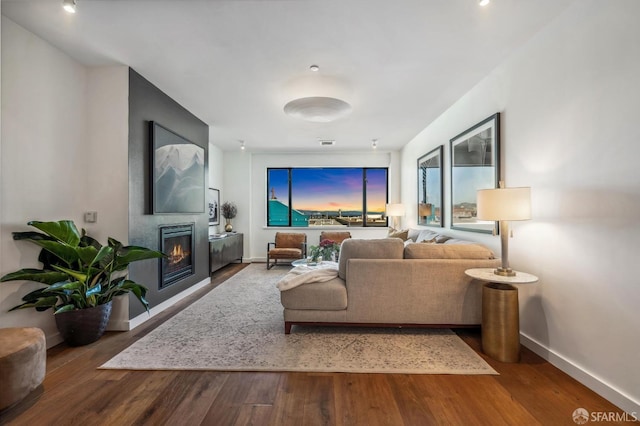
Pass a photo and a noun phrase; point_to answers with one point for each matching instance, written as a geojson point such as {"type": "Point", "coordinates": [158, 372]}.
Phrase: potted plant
{"type": "Point", "coordinates": [81, 276]}
{"type": "Point", "coordinates": [327, 250]}
{"type": "Point", "coordinates": [229, 211]}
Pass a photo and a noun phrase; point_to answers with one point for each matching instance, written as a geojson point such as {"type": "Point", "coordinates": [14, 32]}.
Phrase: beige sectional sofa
{"type": "Point", "coordinates": [389, 282]}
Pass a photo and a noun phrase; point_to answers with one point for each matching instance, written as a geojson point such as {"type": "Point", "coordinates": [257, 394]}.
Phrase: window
{"type": "Point", "coordinates": [348, 196]}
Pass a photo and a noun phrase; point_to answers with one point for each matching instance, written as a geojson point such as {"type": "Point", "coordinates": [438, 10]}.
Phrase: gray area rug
{"type": "Point", "coordinates": [239, 327]}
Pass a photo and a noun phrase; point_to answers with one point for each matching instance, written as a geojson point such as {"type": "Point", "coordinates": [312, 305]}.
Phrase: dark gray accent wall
{"type": "Point", "coordinates": [148, 103]}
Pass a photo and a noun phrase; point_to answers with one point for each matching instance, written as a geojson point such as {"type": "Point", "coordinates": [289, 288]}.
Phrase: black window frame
{"type": "Point", "coordinates": [290, 197]}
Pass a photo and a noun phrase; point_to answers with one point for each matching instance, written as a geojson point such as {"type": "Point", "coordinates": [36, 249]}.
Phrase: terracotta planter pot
{"type": "Point", "coordinates": [83, 326]}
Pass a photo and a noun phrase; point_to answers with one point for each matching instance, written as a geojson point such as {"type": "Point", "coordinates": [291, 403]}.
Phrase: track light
{"type": "Point", "coordinates": [374, 143]}
{"type": "Point", "coordinates": [69, 5]}
{"type": "Point", "coordinates": [242, 145]}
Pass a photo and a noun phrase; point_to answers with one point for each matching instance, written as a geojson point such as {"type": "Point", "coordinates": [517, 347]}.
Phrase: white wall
{"type": "Point", "coordinates": [107, 136]}
{"type": "Point", "coordinates": [43, 112]}
{"type": "Point", "coordinates": [570, 105]}
{"type": "Point", "coordinates": [216, 166]}
{"type": "Point", "coordinates": [245, 183]}
{"type": "Point", "coordinates": [64, 140]}
{"type": "Point", "coordinates": [107, 173]}
{"type": "Point", "coordinates": [1, 261]}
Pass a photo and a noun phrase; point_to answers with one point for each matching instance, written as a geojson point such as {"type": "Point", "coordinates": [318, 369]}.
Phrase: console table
{"type": "Point", "coordinates": [500, 313]}
{"type": "Point", "coordinates": [225, 250]}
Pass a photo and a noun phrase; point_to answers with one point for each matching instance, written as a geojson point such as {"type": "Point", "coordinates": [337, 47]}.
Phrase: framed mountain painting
{"type": "Point", "coordinates": [178, 178]}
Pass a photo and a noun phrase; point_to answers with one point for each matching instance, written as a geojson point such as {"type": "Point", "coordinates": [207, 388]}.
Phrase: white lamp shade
{"type": "Point", "coordinates": [504, 204]}
{"type": "Point", "coordinates": [393, 210]}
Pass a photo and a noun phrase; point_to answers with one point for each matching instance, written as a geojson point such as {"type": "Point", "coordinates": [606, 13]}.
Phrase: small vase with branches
{"type": "Point", "coordinates": [229, 211]}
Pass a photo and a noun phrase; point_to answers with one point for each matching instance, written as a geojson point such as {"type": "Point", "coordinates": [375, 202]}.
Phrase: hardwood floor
{"type": "Point", "coordinates": [76, 393]}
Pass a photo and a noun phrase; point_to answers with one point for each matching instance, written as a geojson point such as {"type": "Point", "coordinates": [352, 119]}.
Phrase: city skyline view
{"type": "Point", "coordinates": [330, 189]}
{"type": "Point", "coordinates": [468, 180]}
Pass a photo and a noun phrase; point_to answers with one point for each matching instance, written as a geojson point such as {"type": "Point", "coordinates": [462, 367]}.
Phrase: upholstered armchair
{"type": "Point", "coordinates": [336, 236]}
{"type": "Point", "coordinates": [288, 246]}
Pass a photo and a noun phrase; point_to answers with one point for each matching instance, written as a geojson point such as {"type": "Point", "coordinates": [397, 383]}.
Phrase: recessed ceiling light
{"type": "Point", "coordinates": [484, 2]}
{"type": "Point", "coordinates": [69, 5]}
{"type": "Point", "coordinates": [314, 68]}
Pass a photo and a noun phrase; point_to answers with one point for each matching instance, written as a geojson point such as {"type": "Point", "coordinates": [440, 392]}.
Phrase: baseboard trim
{"type": "Point", "coordinates": [53, 339]}
{"type": "Point", "coordinates": [599, 386]}
{"type": "Point", "coordinates": [140, 319]}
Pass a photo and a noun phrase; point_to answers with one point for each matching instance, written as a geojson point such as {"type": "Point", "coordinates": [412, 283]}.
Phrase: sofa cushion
{"type": "Point", "coordinates": [431, 241]}
{"type": "Point", "coordinates": [441, 239]}
{"type": "Point", "coordinates": [413, 234]}
{"type": "Point", "coordinates": [386, 248]}
{"type": "Point", "coordinates": [452, 241]}
{"type": "Point", "coordinates": [426, 235]}
{"type": "Point", "coordinates": [447, 251]}
{"type": "Point", "coordinates": [326, 296]}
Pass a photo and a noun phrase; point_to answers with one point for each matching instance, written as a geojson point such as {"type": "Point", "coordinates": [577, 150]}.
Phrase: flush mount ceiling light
{"type": "Point", "coordinates": [316, 97]}
{"type": "Point", "coordinates": [69, 5]}
{"type": "Point", "coordinates": [484, 2]}
{"type": "Point", "coordinates": [317, 109]}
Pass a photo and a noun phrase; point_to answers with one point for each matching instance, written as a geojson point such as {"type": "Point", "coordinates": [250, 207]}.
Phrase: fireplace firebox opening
{"type": "Point", "coordinates": [178, 243]}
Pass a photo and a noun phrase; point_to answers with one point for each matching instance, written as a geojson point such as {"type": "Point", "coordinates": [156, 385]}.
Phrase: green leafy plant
{"type": "Point", "coordinates": [79, 272]}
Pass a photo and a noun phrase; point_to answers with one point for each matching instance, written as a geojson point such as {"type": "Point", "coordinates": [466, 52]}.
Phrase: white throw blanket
{"type": "Point", "coordinates": [303, 274]}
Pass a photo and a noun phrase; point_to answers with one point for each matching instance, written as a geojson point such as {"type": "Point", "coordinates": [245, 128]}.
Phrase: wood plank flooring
{"type": "Point", "coordinates": [74, 392]}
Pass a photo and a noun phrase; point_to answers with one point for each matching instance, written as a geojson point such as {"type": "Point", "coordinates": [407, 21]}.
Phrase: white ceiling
{"type": "Point", "coordinates": [234, 63]}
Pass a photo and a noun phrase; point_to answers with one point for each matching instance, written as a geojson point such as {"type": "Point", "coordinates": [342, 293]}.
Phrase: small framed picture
{"type": "Point", "coordinates": [214, 206]}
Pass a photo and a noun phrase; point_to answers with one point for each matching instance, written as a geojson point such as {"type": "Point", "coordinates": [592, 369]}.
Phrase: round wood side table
{"type": "Point", "coordinates": [500, 313]}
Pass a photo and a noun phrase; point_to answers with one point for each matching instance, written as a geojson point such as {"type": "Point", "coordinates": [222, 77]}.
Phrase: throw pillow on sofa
{"type": "Point", "coordinates": [431, 241]}
{"type": "Point", "coordinates": [395, 233]}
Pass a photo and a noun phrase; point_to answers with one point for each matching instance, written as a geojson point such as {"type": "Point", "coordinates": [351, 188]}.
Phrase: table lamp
{"type": "Point", "coordinates": [502, 205]}
{"type": "Point", "coordinates": [394, 211]}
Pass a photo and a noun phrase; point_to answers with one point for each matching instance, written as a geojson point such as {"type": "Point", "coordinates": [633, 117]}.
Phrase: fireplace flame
{"type": "Point", "coordinates": [177, 254]}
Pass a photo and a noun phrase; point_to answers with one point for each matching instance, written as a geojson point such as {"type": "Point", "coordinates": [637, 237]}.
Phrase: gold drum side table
{"type": "Point", "coordinates": [500, 313]}
{"type": "Point", "coordinates": [500, 322]}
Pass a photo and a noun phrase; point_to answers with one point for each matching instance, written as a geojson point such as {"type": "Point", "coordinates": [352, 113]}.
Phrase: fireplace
{"type": "Point", "coordinates": [178, 243]}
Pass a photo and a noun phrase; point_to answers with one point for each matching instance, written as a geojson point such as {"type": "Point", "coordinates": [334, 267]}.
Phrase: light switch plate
{"type": "Point", "coordinates": [91, 217]}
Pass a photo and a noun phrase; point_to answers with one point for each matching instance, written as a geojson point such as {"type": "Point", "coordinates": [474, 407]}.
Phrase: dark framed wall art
{"type": "Point", "coordinates": [178, 172]}
{"type": "Point", "coordinates": [430, 181]}
{"type": "Point", "coordinates": [475, 164]}
{"type": "Point", "coordinates": [214, 206]}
